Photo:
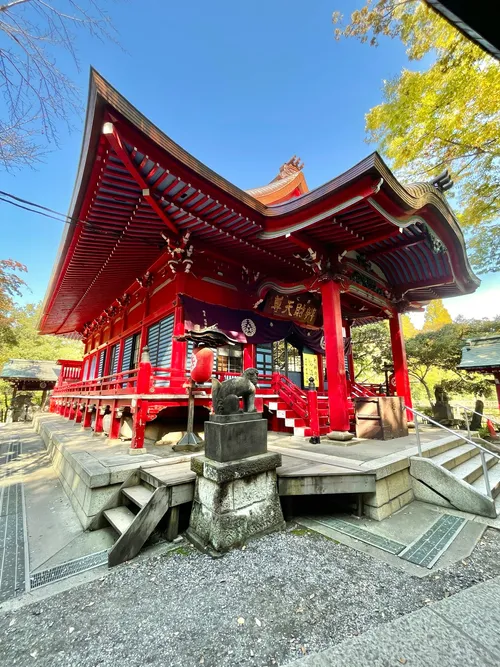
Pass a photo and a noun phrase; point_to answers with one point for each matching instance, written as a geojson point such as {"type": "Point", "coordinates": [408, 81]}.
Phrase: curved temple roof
{"type": "Point", "coordinates": [289, 183]}
{"type": "Point", "coordinates": [135, 185]}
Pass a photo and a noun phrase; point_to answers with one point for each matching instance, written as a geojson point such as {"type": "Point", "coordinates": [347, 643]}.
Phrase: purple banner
{"type": "Point", "coordinates": [247, 326]}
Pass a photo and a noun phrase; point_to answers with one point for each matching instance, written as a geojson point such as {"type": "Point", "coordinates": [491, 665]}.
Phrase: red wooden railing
{"type": "Point", "coordinates": [290, 394]}
{"type": "Point", "coordinates": [359, 389]}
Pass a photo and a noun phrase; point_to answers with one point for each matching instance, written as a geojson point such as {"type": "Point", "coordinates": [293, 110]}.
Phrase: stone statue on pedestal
{"type": "Point", "coordinates": [236, 492]}
{"type": "Point", "coordinates": [442, 411]}
{"type": "Point", "coordinates": [226, 395]}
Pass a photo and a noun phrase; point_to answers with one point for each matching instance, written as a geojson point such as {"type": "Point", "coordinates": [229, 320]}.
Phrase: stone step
{"type": "Point", "coordinates": [120, 518]}
{"type": "Point", "coordinates": [472, 469]}
{"type": "Point", "coordinates": [452, 458]}
{"type": "Point", "coordinates": [494, 476]}
{"type": "Point", "coordinates": [139, 495]}
{"type": "Point", "coordinates": [441, 445]}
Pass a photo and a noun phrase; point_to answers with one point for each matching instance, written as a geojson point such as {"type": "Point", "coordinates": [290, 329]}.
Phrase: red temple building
{"type": "Point", "coordinates": [159, 244]}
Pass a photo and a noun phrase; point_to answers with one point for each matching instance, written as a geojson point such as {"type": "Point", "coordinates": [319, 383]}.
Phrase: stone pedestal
{"type": "Point", "coordinates": [236, 494]}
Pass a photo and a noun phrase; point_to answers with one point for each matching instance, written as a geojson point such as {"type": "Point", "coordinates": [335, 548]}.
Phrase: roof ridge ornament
{"type": "Point", "coordinates": [293, 166]}
{"type": "Point", "coordinates": [442, 182]}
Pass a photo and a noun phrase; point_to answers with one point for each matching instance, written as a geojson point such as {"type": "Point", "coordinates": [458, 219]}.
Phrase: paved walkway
{"type": "Point", "coordinates": [460, 630]}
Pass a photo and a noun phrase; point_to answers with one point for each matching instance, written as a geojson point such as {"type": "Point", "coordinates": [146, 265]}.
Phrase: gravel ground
{"type": "Point", "coordinates": [282, 597]}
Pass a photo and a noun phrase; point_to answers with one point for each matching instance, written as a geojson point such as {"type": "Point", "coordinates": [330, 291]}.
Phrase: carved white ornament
{"type": "Point", "coordinates": [248, 327]}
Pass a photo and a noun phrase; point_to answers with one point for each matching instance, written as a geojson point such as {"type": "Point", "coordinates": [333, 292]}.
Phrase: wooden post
{"type": "Point", "coordinates": [337, 388]}
{"type": "Point", "coordinates": [312, 405]}
{"type": "Point", "coordinates": [400, 364]}
{"type": "Point", "coordinates": [44, 399]}
{"type": "Point", "coordinates": [179, 349]}
{"type": "Point", "coordinates": [173, 523]}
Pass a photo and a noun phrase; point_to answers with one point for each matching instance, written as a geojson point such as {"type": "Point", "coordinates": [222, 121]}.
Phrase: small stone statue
{"type": "Point", "coordinates": [475, 423]}
{"type": "Point", "coordinates": [226, 395]}
{"type": "Point", "coordinates": [442, 411]}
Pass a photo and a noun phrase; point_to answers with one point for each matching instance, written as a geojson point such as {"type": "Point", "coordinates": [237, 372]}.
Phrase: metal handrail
{"type": "Point", "coordinates": [476, 413]}
{"type": "Point", "coordinates": [482, 450]}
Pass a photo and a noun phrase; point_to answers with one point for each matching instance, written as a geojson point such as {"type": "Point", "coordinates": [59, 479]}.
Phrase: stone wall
{"type": "Point", "coordinates": [391, 494]}
{"type": "Point", "coordinates": [86, 482]}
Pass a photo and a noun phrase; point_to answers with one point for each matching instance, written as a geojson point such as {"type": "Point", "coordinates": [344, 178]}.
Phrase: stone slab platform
{"type": "Point", "coordinates": [90, 467]}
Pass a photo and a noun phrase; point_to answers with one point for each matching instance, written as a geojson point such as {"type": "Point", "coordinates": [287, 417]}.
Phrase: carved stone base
{"type": "Point", "coordinates": [234, 502]}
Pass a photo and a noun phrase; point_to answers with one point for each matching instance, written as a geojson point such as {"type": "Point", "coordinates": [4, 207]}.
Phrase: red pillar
{"type": "Point", "coordinates": [497, 387]}
{"type": "Point", "coordinates": [248, 356]}
{"type": "Point", "coordinates": [178, 349]}
{"type": "Point", "coordinates": [334, 347]}
{"type": "Point", "coordinates": [114, 429]}
{"type": "Point", "coordinates": [140, 414]}
{"type": "Point", "coordinates": [98, 417]}
{"type": "Point", "coordinates": [87, 415]}
{"type": "Point", "coordinates": [79, 414]}
{"type": "Point", "coordinates": [139, 426]}
{"type": "Point", "coordinates": [399, 360]}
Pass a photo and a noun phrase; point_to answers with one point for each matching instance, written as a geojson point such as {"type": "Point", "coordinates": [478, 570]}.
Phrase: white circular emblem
{"type": "Point", "coordinates": [248, 327]}
{"type": "Point", "coordinates": [322, 343]}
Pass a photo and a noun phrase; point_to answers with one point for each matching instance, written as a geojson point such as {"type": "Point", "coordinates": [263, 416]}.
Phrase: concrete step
{"type": "Point", "coordinates": [494, 477]}
{"type": "Point", "coordinates": [120, 518]}
{"type": "Point", "coordinates": [472, 469]}
{"type": "Point", "coordinates": [139, 495]}
{"type": "Point", "coordinates": [452, 458]}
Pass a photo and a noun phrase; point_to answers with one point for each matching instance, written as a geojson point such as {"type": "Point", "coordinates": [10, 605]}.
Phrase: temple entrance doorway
{"type": "Point", "coordinates": [287, 360]}
{"type": "Point", "coordinates": [280, 356]}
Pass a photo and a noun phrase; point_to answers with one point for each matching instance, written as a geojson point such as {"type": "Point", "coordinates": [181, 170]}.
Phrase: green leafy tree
{"type": "Point", "coordinates": [26, 343]}
{"type": "Point", "coordinates": [446, 114]}
{"type": "Point", "coordinates": [436, 316]}
{"type": "Point", "coordinates": [442, 349]}
{"type": "Point", "coordinates": [371, 349]}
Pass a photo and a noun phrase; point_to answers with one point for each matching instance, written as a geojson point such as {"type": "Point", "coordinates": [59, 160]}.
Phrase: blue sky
{"type": "Point", "coordinates": [242, 86]}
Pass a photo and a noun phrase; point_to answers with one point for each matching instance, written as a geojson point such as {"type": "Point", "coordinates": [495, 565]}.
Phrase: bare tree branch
{"type": "Point", "coordinates": [38, 95]}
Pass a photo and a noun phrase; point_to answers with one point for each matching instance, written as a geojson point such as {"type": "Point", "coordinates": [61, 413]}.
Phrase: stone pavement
{"type": "Point", "coordinates": [461, 630]}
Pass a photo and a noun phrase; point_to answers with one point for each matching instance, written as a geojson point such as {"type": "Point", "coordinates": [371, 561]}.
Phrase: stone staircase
{"type": "Point", "coordinates": [452, 476]}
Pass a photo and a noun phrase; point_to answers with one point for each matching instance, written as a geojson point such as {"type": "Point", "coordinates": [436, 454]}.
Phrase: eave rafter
{"type": "Point", "coordinates": [213, 216]}
{"type": "Point", "coordinates": [109, 131]}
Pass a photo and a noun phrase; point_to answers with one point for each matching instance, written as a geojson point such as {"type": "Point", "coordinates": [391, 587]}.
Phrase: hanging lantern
{"type": "Point", "coordinates": [202, 361]}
